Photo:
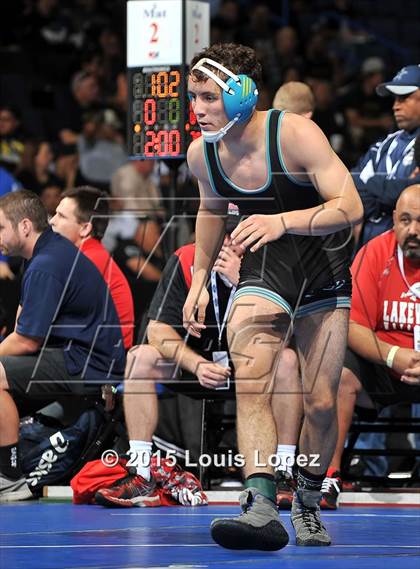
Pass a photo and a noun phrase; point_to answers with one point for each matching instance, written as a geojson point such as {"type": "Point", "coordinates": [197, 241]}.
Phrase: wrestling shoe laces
{"type": "Point", "coordinates": [330, 491]}
{"type": "Point", "coordinates": [306, 519]}
{"type": "Point", "coordinates": [330, 484]}
{"type": "Point", "coordinates": [311, 520]}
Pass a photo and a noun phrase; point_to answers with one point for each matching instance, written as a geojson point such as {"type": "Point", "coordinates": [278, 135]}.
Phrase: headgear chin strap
{"type": "Point", "coordinates": [216, 135]}
{"type": "Point", "coordinates": [239, 94]}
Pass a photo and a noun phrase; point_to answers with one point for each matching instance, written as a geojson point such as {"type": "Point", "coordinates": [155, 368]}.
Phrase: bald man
{"type": "Point", "coordinates": [382, 364]}
{"type": "Point", "coordinates": [296, 97]}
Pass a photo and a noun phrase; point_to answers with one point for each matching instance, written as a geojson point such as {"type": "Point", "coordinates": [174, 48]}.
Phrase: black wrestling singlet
{"type": "Point", "coordinates": [300, 273]}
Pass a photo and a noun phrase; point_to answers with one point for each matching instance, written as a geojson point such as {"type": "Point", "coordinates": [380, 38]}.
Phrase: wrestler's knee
{"type": "Point", "coordinates": [288, 363]}
{"type": "Point", "coordinates": [320, 408]}
{"type": "Point", "coordinates": [250, 380]}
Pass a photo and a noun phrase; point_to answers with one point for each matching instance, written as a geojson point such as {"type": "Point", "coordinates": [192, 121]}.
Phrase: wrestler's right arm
{"type": "Point", "coordinates": [209, 230]}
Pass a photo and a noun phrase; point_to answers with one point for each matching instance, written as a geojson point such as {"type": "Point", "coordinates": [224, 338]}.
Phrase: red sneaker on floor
{"type": "Point", "coordinates": [331, 488]}
{"type": "Point", "coordinates": [128, 492]}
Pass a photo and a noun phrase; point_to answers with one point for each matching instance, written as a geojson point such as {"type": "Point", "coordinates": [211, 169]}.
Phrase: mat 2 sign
{"type": "Point", "coordinates": [154, 33]}
{"type": "Point", "coordinates": [158, 32]}
{"type": "Point", "coordinates": [154, 12]}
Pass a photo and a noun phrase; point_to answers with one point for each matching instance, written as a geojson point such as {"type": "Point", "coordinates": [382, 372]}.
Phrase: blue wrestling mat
{"type": "Point", "coordinates": [46, 535]}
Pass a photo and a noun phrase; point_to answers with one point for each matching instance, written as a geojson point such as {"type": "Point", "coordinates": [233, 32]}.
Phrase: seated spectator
{"type": "Point", "coordinates": [67, 340]}
{"type": "Point", "coordinates": [84, 97]}
{"type": "Point", "coordinates": [327, 115]}
{"type": "Point", "coordinates": [382, 364]}
{"type": "Point", "coordinates": [320, 62]}
{"type": "Point", "coordinates": [134, 245]}
{"type": "Point", "coordinates": [134, 233]}
{"type": "Point", "coordinates": [101, 148]}
{"type": "Point", "coordinates": [48, 28]}
{"type": "Point", "coordinates": [113, 60]}
{"type": "Point", "coordinates": [66, 165]}
{"type": "Point", "coordinates": [387, 191]}
{"type": "Point", "coordinates": [292, 73]}
{"type": "Point", "coordinates": [189, 364]}
{"type": "Point", "coordinates": [285, 54]}
{"type": "Point", "coordinates": [34, 171]}
{"type": "Point", "coordinates": [8, 183]}
{"type": "Point", "coordinates": [82, 217]}
{"type": "Point", "coordinates": [226, 24]}
{"type": "Point", "coordinates": [295, 97]}
{"type": "Point", "coordinates": [50, 198]}
{"type": "Point", "coordinates": [12, 139]}
{"type": "Point", "coordinates": [259, 29]}
{"type": "Point", "coordinates": [135, 189]}
{"type": "Point", "coordinates": [369, 116]}
{"type": "Point", "coordinates": [390, 159]}
{"type": "Point", "coordinates": [118, 100]}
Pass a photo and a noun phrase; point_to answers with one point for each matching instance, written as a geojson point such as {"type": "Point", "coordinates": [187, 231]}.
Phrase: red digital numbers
{"type": "Point", "coordinates": [162, 143]}
{"type": "Point", "coordinates": [162, 123]}
{"type": "Point", "coordinates": [149, 112]}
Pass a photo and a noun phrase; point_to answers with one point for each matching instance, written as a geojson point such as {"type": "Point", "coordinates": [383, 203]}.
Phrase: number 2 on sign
{"type": "Point", "coordinates": [154, 38]}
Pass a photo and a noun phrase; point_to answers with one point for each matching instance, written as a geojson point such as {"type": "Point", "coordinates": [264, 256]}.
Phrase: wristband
{"type": "Point", "coordinates": [391, 355]}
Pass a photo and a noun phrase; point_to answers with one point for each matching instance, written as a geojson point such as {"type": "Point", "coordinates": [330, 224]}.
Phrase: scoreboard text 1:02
{"type": "Point", "coordinates": [162, 124]}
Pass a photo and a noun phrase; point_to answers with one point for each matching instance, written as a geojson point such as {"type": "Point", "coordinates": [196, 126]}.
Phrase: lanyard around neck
{"type": "Point", "coordinates": [215, 296]}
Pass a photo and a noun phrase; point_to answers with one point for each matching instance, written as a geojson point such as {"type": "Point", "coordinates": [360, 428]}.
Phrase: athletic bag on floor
{"type": "Point", "coordinates": [51, 455]}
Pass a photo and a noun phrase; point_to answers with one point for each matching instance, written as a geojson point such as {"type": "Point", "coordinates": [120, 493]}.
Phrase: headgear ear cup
{"type": "Point", "coordinates": [241, 98]}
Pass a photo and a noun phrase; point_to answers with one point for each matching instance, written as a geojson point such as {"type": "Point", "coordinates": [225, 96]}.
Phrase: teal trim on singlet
{"type": "Point", "coordinates": [306, 310]}
{"type": "Point", "coordinates": [206, 157]}
{"type": "Point", "coordinates": [280, 155]}
{"type": "Point", "coordinates": [227, 180]}
{"type": "Point", "coordinates": [323, 305]}
{"type": "Point", "coordinates": [264, 293]}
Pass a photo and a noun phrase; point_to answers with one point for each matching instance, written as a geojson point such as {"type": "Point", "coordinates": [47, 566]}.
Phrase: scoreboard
{"type": "Point", "coordinates": [161, 123]}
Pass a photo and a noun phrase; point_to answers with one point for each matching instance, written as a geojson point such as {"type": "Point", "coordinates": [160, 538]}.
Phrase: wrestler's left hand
{"type": "Point", "coordinates": [259, 230]}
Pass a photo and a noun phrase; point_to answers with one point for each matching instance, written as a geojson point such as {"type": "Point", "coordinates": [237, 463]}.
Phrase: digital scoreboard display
{"type": "Point", "coordinates": [161, 123]}
{"type": "Point", "coordinates": [162, 37]}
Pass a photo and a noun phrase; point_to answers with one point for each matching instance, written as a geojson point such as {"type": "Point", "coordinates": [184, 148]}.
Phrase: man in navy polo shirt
{"type": "Point", "coordinates": [67, 339]}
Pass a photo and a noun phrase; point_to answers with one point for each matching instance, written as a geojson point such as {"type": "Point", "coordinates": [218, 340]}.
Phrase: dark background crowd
{"type": "Point", "coordinates": [63, 93]}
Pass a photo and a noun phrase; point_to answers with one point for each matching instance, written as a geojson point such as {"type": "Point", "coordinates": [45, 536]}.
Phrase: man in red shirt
{"type": "Point", "coordinates": [382, 364]}
{"type": "Point", "coordinates": [82, 217]}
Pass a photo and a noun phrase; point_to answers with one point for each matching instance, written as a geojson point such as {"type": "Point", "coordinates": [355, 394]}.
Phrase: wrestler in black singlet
{"type": "Point", "coordinates": [303, 274]}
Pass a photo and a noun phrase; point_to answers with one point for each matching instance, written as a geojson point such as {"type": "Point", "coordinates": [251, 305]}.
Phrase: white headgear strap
{"type": "Point", "coordinates": [215, 136]}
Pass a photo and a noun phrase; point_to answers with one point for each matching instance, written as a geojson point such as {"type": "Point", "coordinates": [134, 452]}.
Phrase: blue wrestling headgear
{"type": "Point", "coordinates": [239, 93]}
